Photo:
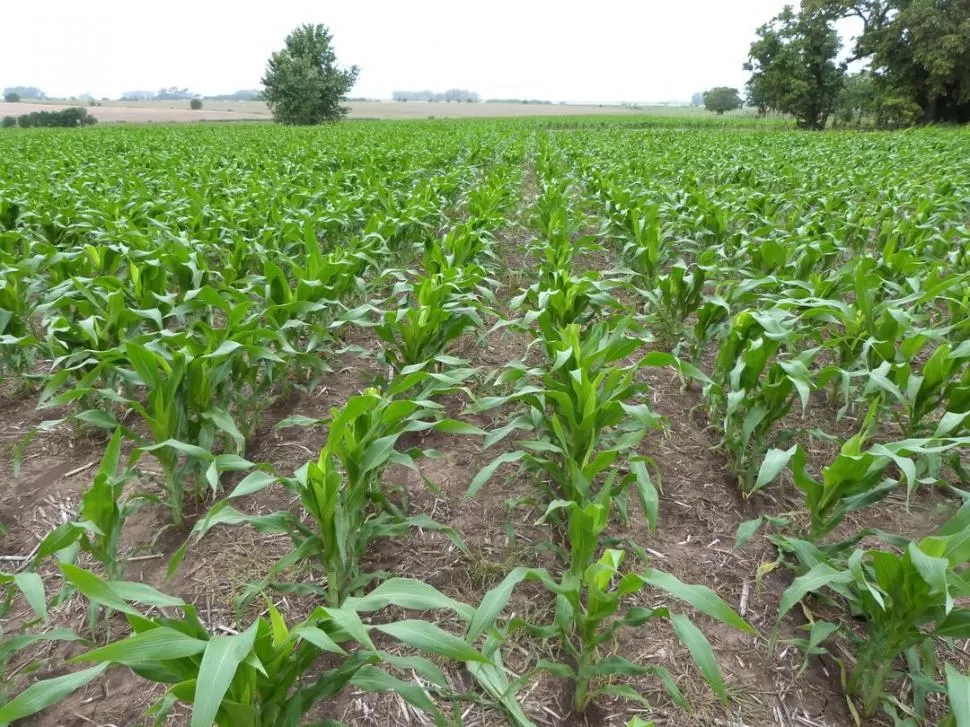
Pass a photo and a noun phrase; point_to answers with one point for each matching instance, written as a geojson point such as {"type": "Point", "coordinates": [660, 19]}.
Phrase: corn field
{"type": "Point", "coordinates": [484, 422]}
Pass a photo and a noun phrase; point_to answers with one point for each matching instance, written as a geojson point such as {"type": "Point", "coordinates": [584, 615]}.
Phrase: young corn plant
{"type": "Point", "coordinates": [592, 607]}
{"type": "Point", "coordinates": [429, 315]}
{"type": "Point", "coordinates": [586, 414]}
{"type": "Point", "coordinates": [347, 504]}
{"type": "Point", "coordinates": [674, 297]}
{"type": "Point", "coordinates": [105, 507]}
{"type": "Point", "coordinates": [560, 298]}
{"type": "Point", "coordinates": [263, 675]}
{"type": "Point", "coordinates": [858, 477]}
{"type": "Point", "coordinates": [645, 249]}
{"type": "Point", "coordinates": [908, 596]}
{"type": "Point", "coordinates": [756, 388]}
{"type": "Point", "coordinates": [939, 386]}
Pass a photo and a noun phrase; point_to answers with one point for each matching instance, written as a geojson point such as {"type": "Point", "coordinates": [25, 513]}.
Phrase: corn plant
{"type": "Point", "coordinates": [560, 299]}
{"type": "Point", "coordinates": [17, 338]}
{"type": "Point", "coordinates": [585, 413]}
{"type": "Point", "coordinates": [347, 504]}
{"type": "Point", "coordinates": [908, 598]}
{"type": "Point", "coordinates": [942, 383]}
{"type": "Point", "coordinates": [262, 675]}
{"type": "Point", "coordinates": [428, 315]}
{"type": "Point", "coordinates": [592, 608]}
{"type": "Point", "coordinates": [756, 388]}
{"type": "Point", "coordinates": [103, 512]}
{"type": "Point", "coordinates": [859, 476]}
{"type": "Point", "coordinates": [674, 297]}
{"type": "Point", "coordinates": [644, 247]}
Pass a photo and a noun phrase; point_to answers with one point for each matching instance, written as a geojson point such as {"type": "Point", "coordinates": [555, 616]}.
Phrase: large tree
{"type": "Point", "coordinates": [918, 52]}
{"type": "Point", "coordinates": [793, 67]}
{"type": "Point", "coordinates": [722, 99]}
{"type": "Point", "coordinates": [303, 84]}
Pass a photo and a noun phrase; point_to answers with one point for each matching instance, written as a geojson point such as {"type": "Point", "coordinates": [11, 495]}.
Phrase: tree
{"type": "Point", "coordinates": [195, 104]}
{"type": "Point", "coordinates": [11, 97]}
{"type": "Point", "coordinates": [697, 99]}
{"type": "Point", "coordinates": [918, 52]}
{"type": "Point", "coordinates": [722, 99]}
{"type": "Point", "coordinates": [173, 93]}
{"type": "Point", "coordinates": [857, 98]}
{"type": "Point", "coordinates": [793, 67]}
{"type": "Point", "coordinates": [69, 117]}
{"type": "Point", "coordinates": [8, 122]}
{"type": "Point", "coordinates": [303, 84]}
{"type": "Point", "coordinates": [26, 92]}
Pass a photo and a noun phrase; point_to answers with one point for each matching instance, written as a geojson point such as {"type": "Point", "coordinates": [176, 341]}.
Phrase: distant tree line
{"type": "Point", "coordinates": [525, 101]}
{"type": "Point", "coordinates": [917, 51]}
{"type": "Point", "coordinates": [246, 94]}
{"type": "Point", "coordinates": [31, 93]}
{"type": "Point", "coordinates": [174, 93]}
{"type": "Point", "coordinates": [458, 95]}
{"type": "Point", "coordinates": [65, 118]}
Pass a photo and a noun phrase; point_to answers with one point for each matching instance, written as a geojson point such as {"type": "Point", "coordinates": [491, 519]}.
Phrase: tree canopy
{"type": "Point", "coordinates": [27, 92]}
{"type": "Point", "coordinates": [722, 99]}
{"type": "Point", "coordinates": [917, 52]}
{"type": "Point", "coordinates": [793, 67]}
{"type": "Point", "coordinates": [303, 84]}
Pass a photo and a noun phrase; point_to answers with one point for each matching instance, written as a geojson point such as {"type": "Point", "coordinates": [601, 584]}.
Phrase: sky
{"type": "Point", "coordinates": [605, 51]}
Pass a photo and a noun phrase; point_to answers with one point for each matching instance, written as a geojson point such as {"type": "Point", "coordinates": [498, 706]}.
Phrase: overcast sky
{"type": "Point", "coordinates": [604, 51]}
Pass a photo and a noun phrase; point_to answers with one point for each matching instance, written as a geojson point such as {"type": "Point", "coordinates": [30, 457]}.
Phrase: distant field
{"type": "Point", "coordinates": [178, 111]}
{"type": "Point", "coordinates": [139, 113]}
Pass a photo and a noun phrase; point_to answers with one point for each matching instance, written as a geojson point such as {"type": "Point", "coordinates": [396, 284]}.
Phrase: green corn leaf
{"type": "Point", "coordinates": [377, 453]}
{"type": "Point", "coordinates": [13, 644]}
{"type": "Point", "coordinates": [32, 587]}
{"type": "Point", "coordinates": [222, 656]}
{"type": "Point", "coordinates": [95, 589]}
{"type": "Point", "coordinates": [42, 695]}
{"type": "Point", "coordinates": [143, 593]}
{"type": "Point", "coordinates": [319, 638]}
{"type": "Point", "coordinates": [410, 594]}
{"type": "Point", "coordinates": [649, 497]}
{"type": "Point", "coordinates": [958, 694]}
{"type": "Point", "coordinates": [488, 470]}
{"type": "Point", "coordinates": [701, 651]}
{"type": "Point", "coordinates": [820, 576]}
{"type": "Point", "coordinates": [700, 597]}
{"type": "Point", "coordinates": [452, 426]}
{"type": "Point", "coordinates": [372, 679]}
{"type": "Point", "coordinates": [774, 462]}
{"type": "Point", "coordinates": [222, 419]}
{"type": "Point", "coordinates": [495, 601]}
{"type": "Point", "coordinates": [252, 483]}
{"type": "Point", "coordinates": [158, 644]}
{"type": "Point", "coordinates": [746, 531]}
{"type": "Point", "coordinates": [432, 639]}
{"type": "Point", "coordinates": [190, 449]}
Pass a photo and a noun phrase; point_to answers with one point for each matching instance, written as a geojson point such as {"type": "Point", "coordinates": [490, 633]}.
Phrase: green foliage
{"type": "Point", "coordinates": [195, 104]}
{"type": "Point", "coordinates": [8, 122]}
{"type": "Point", "coordinates": [262, 675]}
{"type": "Point", "coordinates": [70, 118]}
{"type": "Point", "coordinates": [907, 599]}
{"type": "Point", "coordinates": [722, 99]}
{"type": "Point", "coordinates": [303, 84]}
{"type": "Point", "coordinates": [793, 67]}
{"type": "Point", "coordinates": [919, 54]}
{"type": "Point", "coordinates": [857, 98]}
{"type": "Point", "coordinates": [11, 97]}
